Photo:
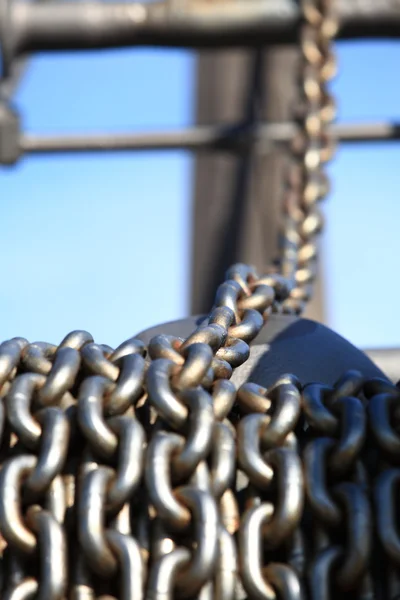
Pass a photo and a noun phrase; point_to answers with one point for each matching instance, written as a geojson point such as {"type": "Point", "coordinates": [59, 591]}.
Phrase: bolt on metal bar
{"type": "Point", "coordinates": [203, 138]}
{"type": "Point", "coordinates": [26, 27]}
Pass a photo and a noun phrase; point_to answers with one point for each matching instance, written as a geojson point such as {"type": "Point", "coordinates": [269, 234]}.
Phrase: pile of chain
{"type": "Point", "coordinates": [142, 473]}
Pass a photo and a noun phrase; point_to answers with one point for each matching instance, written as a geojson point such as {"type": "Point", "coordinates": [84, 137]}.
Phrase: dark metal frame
{"type": "Point", "coordinates": [27, 28]}
{"type": "Point", "coordinates": [193, 24]}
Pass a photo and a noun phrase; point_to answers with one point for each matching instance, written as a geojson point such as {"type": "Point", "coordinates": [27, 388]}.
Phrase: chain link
{"type": "Point", "coordinates": [142, 473]}
{"type": "Point", "coordinates": [306, 181]}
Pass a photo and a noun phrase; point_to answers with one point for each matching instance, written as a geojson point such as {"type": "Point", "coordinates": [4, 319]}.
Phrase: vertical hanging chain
{"type": "Point", "coordinates": [143, 473]}
{"type": "Point", "coordinates": [307, 183]}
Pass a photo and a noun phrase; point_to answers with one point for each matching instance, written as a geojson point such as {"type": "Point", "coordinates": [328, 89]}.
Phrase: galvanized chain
{"type": "Point", "coordinates": [142, 473]}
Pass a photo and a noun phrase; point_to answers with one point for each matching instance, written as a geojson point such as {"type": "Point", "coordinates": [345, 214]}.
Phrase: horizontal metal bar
{"type": "Point", "coordinates": [28, 27]}
{"type": "Point", "coordinates": [235, 138]}
{"type": "Point", "coordinates": [192, 139]}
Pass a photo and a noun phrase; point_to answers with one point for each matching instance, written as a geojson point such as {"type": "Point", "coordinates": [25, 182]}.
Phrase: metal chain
{"type": "Point", "coordinates": [142, 473]}
{"type": "Point", "coordinates": [306, 183]}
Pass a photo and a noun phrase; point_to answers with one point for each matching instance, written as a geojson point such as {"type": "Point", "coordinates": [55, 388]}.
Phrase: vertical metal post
{"type": "Point", "coordinates": [237, 200]}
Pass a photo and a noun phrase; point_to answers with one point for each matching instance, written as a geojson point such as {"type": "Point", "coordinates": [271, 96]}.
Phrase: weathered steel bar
{"type": "Point", "coordinates": [27, 27]}
{"type": "Point", "coordinates": [202, 138]}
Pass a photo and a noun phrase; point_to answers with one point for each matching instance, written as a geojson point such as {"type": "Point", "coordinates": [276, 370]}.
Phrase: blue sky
{"type": "Point", "coordinates": [101, 242]}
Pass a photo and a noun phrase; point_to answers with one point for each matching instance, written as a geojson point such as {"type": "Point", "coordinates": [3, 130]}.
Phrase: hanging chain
{"type": "Point", "coordinates": [142, 473]}
{"type": "Point", "coordinates": [306, 181]}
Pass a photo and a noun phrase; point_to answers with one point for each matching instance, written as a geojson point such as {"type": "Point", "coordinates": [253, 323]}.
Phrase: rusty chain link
{"type": "Point", "coordinates": [142, 473]}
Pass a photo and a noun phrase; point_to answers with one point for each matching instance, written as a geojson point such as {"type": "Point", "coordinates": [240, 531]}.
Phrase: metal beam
{"type": "Point", "coordinates": [27, 28]}
{"type": "Point", "coordinates": [203, 138]}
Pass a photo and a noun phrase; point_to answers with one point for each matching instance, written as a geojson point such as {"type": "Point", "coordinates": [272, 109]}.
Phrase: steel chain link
{"type": "Point", "coordinates": [142, 473]}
